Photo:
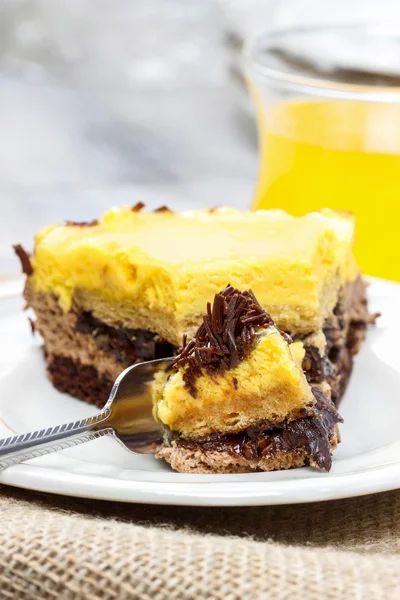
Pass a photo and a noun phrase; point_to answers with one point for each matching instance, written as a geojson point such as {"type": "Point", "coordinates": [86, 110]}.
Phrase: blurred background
{"type": "Point", "coordinates": [109, 102]}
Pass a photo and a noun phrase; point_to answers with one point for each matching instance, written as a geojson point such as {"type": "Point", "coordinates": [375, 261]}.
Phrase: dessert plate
{"type": "Point", "coordinates": [367, 460]}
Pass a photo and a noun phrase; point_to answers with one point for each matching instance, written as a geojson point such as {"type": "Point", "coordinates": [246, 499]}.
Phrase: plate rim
{"type": "Point", "coordinates": [378, 479]}
{"type": "Point", "coordinates": [54, 481]}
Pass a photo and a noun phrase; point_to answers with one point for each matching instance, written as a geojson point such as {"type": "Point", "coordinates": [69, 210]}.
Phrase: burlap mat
{"type": "Point", "coordinates": [53, 547]}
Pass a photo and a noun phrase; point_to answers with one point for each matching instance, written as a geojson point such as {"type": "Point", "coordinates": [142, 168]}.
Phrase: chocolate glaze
{"type": "Point", "coordinates": [312, 434]}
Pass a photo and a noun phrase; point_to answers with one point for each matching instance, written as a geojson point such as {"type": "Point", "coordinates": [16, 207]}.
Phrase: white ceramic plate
{"type": "Point", "coordinates": [367, 461]}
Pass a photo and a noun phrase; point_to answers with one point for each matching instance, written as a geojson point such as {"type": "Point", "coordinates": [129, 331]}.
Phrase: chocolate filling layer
{"type": "Point", "coordinates": [126, 346]}
{"type": "Point", "coordinates": [336, 366]}
{"type": "Point", "coordinates": [344, 333]}
{"type": "Point", "coordinates": [312, 434]}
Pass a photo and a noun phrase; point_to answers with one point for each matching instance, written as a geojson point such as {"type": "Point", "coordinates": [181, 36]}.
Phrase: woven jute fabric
{"type": "Point", "coordinates": [53, 547]}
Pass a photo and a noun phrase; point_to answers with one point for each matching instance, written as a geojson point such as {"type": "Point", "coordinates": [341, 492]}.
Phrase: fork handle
{"type": "Point", "coordinates": [24, 446]}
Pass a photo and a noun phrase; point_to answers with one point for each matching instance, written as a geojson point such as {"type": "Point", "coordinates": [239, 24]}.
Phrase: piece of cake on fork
{"type": "Point", "coordinates": [239, 401]}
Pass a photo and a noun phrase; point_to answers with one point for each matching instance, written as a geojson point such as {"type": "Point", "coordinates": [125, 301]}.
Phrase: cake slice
{"type": "Point", "coordinates": [127, 287]}
{"type": "Point", "coordinates": [238, 400]}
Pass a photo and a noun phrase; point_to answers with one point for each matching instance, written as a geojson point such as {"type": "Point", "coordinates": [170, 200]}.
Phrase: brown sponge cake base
{"type": "Point", "coordinates": [187, 460]}
{"type": "Point", "coordinates": [196, 460]}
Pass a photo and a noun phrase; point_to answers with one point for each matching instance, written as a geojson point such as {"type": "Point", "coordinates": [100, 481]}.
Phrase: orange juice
{"type": "Point", "coordinates": [337, 154]}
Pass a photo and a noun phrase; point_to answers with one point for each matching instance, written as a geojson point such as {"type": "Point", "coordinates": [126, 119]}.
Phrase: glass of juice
{"type": "Point", "coordinates": [328, 110]}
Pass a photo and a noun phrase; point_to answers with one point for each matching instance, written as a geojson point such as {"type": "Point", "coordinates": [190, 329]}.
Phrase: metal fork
{"type": "Point", "coordinates": [127, 415]}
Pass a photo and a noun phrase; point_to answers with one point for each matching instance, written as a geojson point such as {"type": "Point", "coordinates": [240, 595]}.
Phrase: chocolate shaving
{"type": "Point", "coordinates": [224, 338]}
{"type": "Point", "coordinates": [32, 323]}
{"type": "Point", "coordinates": [163, 208]}
{"type": "Point", "coordinates": [141, 205]}
{"type": "Point", "coordinates": [25, 259]}
{"type": "Point", "coordinates": [138, 207]}
{"type": "Point", "coordinates": [82, 223]}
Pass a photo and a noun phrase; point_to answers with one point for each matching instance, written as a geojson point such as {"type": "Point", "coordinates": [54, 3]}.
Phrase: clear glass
{"type": "Point", "coordinates": [328, 109]}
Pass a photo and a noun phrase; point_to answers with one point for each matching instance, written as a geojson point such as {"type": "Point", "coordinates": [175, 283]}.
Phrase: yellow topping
{"type": "Point", "coordinates": [169, 264]}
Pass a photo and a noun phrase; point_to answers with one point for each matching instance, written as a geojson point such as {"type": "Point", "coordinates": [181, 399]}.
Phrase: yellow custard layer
{"type": "Point", "coordinates": [158, 270]}
{"type": "Point", "coordinates": [269, 384]}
